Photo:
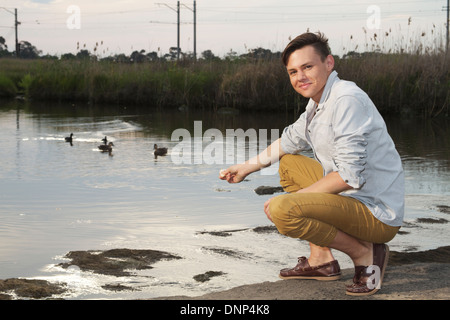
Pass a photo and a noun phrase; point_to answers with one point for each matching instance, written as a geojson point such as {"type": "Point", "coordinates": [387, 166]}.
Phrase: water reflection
{"type": "Point", "coordinates": [418, 138]}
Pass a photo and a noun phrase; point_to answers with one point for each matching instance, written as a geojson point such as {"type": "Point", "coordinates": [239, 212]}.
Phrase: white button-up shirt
{"type": "Point", "coordinates": [348, 135]}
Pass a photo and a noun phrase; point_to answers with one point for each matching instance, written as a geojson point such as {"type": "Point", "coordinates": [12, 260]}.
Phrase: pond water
{"type": "Point", "coordinates": [57, 197]}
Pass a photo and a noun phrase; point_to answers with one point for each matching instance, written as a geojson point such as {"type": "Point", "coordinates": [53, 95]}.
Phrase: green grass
{"type": "Point", "coordinates": [7, 87]}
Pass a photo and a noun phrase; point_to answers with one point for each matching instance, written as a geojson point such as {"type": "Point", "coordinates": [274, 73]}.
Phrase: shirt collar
{"type": "Point", "coordinates": [332, 78]}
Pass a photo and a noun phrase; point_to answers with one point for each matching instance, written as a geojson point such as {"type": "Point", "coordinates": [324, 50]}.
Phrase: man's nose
{"type": "Point", "coordinates": [300, 75]}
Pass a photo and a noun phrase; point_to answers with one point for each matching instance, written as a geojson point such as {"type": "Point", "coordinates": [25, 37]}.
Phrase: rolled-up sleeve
{"type": "Point", "coordinates": [352, 124]}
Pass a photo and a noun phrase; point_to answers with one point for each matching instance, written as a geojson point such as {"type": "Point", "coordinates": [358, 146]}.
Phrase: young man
{"type": "Point", "coordinates": [351, 196]}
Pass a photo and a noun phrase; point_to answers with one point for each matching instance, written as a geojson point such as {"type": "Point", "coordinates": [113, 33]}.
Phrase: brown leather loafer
{"type": "Point", "coordinates": [325, 272]}
{"type": "Point", "coordinates": [367, 280]}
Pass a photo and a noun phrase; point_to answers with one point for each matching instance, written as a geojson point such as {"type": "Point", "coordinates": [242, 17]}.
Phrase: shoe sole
{"type": "Point", "coordinates": [381, 278]}
{"type": "Point", "coordinates": [330, 278]}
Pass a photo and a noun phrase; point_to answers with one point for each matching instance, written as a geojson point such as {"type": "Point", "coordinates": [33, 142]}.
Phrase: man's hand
{"type": "Point", "coordinates": [234, 174]}
{"type": "Point", "coordinates": [238, 172]}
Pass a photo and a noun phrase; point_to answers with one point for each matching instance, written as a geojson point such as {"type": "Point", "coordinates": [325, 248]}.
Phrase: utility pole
{"type": "Point", "coordinates": [16, 23]}
{"type": "Point", "coordinates": [177, 10]}
{"type": "Point", "coordinates": [448, 7]}
{"type": "Point", "coordinates": [194, 10]}
{"type": "Point", "coordinates": [178, 30]}
{"type": "Point", "coordinates": [195, 30]}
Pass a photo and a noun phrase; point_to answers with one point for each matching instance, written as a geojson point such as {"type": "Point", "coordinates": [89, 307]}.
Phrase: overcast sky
{"type": "Point", "coordinates": [122, 26]}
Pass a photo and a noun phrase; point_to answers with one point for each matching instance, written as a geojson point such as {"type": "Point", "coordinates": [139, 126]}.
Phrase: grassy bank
{"type": "Point", "coordinates": [416, 84]}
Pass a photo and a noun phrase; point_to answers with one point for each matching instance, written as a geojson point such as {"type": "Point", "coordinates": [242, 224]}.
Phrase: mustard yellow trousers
{"type": "Point", "coordinates": [316, 217]}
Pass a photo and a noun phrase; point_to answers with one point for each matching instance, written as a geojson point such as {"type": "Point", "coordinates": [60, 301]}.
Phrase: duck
{"type": "Point", "coordinates": [159, 151]}
{"type": "Point", "coordinates": [106, 147]}
{"type": "Point", "coordinates": [69, 139]}
{"type": "Point", "coordinates": [105, 140]}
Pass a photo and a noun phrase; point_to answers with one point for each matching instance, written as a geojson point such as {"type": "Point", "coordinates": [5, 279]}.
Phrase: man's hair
{"type": "Point", "coordinates": [317, 40]}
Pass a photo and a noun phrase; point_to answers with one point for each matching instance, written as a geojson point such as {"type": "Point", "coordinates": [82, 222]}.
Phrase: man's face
{"type": "Point", "coordinates": [308, 73]}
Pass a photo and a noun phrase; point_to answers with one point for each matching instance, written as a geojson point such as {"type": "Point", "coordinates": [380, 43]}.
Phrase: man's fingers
{"type": "Point", "coordinates": [223, 174]}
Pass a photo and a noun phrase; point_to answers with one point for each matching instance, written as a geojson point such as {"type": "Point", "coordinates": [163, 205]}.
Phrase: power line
{"type": "Point", "coordinates": [16, 24]}
{"type": "Point", "coordinates": [270, 14]}
{"type": "Point", "coordinates": [319, 5]}
{"type": "Point", "coordinates": [291, 16]}
{"type": "Point", "coordinates": [177, 10]}
{"type": "Point", "coordinates": [194, 10]}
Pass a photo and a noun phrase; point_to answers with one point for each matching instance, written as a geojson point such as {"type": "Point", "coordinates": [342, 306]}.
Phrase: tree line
{"type": "Point", "coordinates": [29, 51]}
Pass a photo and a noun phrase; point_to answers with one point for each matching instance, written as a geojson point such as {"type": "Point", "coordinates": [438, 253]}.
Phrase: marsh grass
{"type": "Point", "coordinates": [403, 71]}
{"type": "Point", "coordinates": [401, 81]}
{"type": "Point", "coordinates": [7, 87]}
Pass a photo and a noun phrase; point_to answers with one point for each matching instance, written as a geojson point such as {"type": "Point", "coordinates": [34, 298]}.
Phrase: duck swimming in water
{"type": "Point", "coordinates": [69, 139]}
{"type": "Point", "coordinates": [106, 147]}
{"type": "Point", "coordinates": [159, 151]}
{"type": "Point", "coordinates": [105, 140]}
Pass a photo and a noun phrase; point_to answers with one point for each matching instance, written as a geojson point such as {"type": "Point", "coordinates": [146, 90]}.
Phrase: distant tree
{"type": "Point", "coordinates": [49, 57]}
{"type": "Point", "coordinates": [351, 54]}
{"type": "Point", "coordinates": [261, 53]}
{"type": "Point", "coordinates": [173, 53]}
{"type": "Point", "coordinates": [187, 56]}
{"type": "Point", "coordinates": [231, 55]}
{"type": "Point", "coordinates": [121, 58]}
{"type": "Point", "coordinates": [208, 55]}
{"type": "Point", "coordinates": [83, 54]}
{"type": "Point", "coordinates": [28, 51]}
{"type": "Point", "coordinates": [68, 56]}
{"type": "Point", "coordinates": [3, 48]}
{"type": "Point", "coordinates": [152, 56]}
{"type": "Point", "coordinates": [3, 45]}
{"type": "Point", "coordinates": [138, 56]}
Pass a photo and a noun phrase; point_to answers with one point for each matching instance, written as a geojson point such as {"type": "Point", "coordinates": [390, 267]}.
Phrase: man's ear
{"type": "Point", "coordinates": [330, 62]}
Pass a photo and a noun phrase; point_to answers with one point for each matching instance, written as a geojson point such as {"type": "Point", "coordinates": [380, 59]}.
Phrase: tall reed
{"type": "Point", "coordinates": [398, 83]}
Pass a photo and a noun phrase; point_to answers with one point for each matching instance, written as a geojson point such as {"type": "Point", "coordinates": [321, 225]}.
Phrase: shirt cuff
{"type": "Point", "coordinates": [349, 176]}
